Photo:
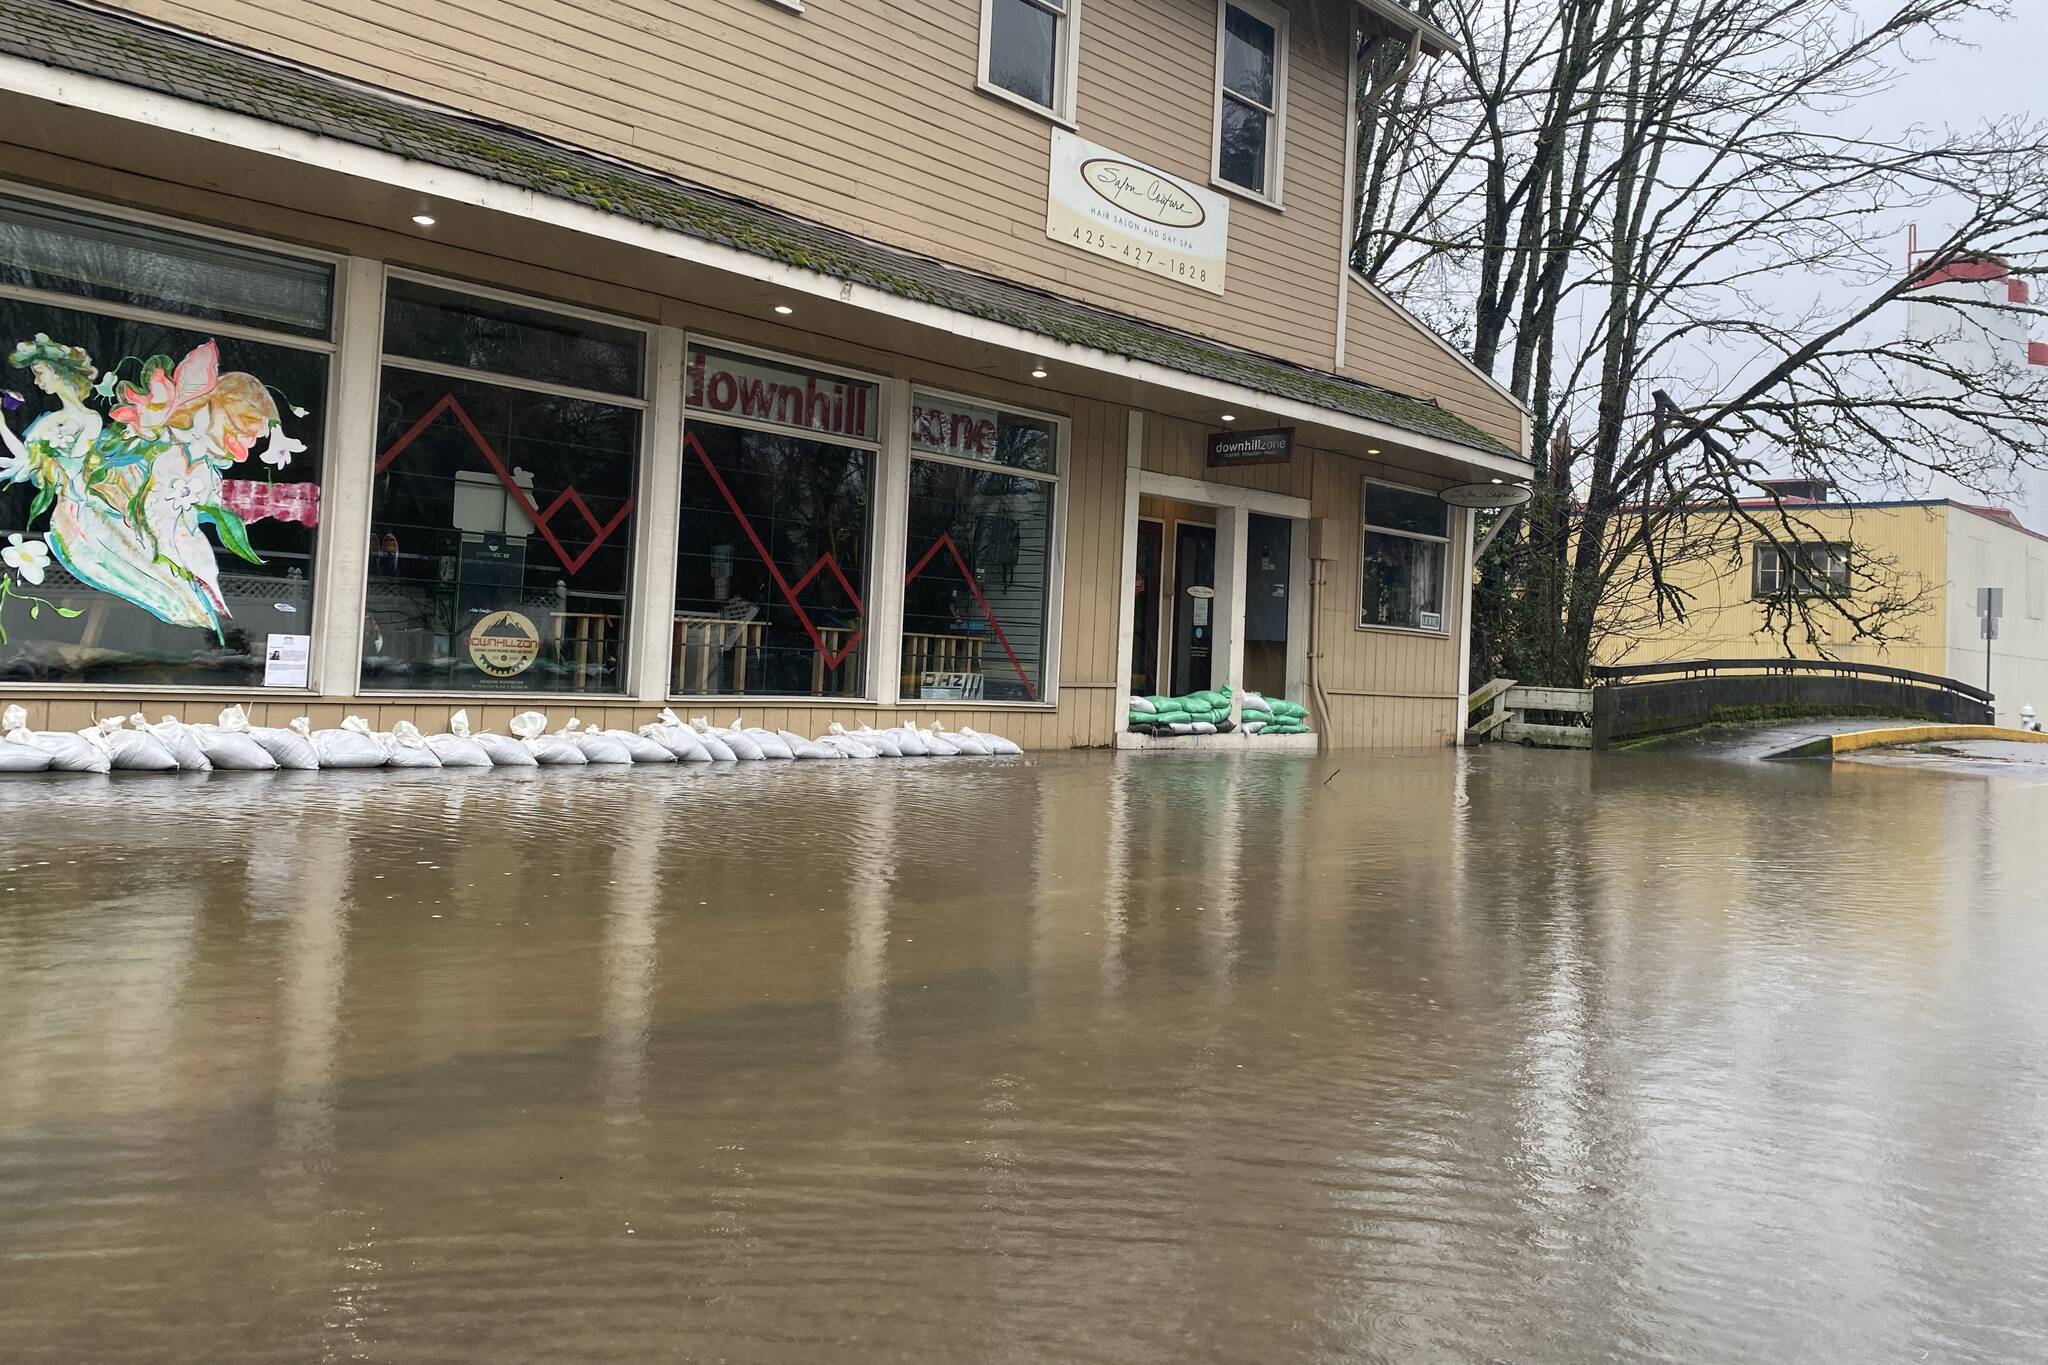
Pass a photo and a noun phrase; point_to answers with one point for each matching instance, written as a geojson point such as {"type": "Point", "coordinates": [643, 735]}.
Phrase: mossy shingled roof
{"type": "Point", "coordinates": [136, 52]}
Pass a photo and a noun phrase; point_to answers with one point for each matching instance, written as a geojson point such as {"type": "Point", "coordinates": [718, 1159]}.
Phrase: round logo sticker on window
{"type": "Point", "coordinates": [504, 644]}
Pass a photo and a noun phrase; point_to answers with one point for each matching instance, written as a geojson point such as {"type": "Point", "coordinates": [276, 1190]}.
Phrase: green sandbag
{"type": "Point", "coordinates": [1212, 699]}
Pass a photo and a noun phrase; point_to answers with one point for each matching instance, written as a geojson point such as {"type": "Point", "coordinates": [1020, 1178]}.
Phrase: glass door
{"type": "Point", "coordinates": [1194, 604]}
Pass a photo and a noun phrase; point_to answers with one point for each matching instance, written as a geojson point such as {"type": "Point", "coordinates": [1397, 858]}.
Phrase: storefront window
{"type": "Point", "coordinates": [1407, 545]}
{"type": "Point", "coordinates": [978, 581]}
{"type": "Point", "coordinates": [165, 398]}
{"type": "Point", "coordinates": [771, 567]}
{"type": "Point", "coordinates": [502, 512]}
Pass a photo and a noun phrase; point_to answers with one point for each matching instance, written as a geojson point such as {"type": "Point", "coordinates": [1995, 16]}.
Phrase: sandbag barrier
{"type": "Point", "coordinates": [1208, 713]}
{"type": "Point", "coordinates": [134, 744]}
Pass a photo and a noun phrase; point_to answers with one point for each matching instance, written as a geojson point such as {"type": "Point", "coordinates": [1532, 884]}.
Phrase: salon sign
{"type": "Point", "coordinates": [1106, 204]}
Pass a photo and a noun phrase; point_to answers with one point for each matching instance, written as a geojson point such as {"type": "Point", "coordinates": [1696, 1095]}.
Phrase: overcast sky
{"type": "Point", "coordinates": [1999, 73]}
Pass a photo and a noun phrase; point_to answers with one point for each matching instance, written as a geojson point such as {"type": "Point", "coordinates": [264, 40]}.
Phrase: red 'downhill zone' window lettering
{"type": "Point", "coordinates": [761, 391]}
{"type": "Point", "coordinates": [956, 433]}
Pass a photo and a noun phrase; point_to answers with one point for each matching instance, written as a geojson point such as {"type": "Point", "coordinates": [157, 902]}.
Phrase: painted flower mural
{"type": "Point", "coordinates": [131, 493]}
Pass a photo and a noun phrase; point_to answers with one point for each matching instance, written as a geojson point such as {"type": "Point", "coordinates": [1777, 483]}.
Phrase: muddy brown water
{"type": "Point", "coordinates": [1508, 1056]}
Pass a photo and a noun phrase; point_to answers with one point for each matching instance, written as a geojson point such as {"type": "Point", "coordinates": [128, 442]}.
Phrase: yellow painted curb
{"type": "Point", "coordinates": [1928, 734]}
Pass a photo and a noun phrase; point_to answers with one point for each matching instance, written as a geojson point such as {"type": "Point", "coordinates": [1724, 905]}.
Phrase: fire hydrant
{"type": "Point", "coordinates": [2028, 721]}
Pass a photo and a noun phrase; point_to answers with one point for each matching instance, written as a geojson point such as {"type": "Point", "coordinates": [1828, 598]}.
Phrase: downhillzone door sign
{"type": "Point", "coordinates": [1228, 449]}
{"type": "Point", "coordinates": [1109, 205]}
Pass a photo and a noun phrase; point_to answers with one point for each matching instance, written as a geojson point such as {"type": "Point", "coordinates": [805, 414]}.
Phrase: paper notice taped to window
{"type": "Point", "coordinates": [286, 659]}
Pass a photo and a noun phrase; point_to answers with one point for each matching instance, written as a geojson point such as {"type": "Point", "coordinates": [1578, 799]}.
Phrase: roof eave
{"type": "Point", "coordinates": [1435, 42]}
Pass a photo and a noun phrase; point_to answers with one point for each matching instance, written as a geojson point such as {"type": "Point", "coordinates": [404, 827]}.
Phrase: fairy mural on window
{"type": "Point", "coordinates": [164, 394]}
{"type": "Point", "coordinates": [156, 514]}
{"type": "Point", "coordinates": [130, 495]}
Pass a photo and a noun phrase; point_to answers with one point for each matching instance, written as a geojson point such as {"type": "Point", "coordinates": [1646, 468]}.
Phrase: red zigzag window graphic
{"type": "Point", "coordinates": [945, 542]}
{"type": "Point", "coordinates": [833, 658]}
{"type": "Point", "coordinates": [600, 531]}
{"type": "Point", "coordinates": [789, 590]}
{"type": "Point", "coordinates": [603, 531]}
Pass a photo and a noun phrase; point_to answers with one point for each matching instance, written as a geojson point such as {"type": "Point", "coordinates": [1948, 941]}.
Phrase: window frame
{"type": "Point", "coordinates": [317, 625]}
{"type": "Point", "coordinates": [1366, 530]}
{"type": "Point", "coordinates": [1798, 584]}
{"type": "Point", "coordinates": [642, 465]}
{"type": "Point", "coordinates": [879, 449]}
{"type": "Point", "coordinates": [1273, 195]}
{"type": "Point", "coordinates": [1056, 536]}
{"type": "Point", "coordinates": [1066, 62]}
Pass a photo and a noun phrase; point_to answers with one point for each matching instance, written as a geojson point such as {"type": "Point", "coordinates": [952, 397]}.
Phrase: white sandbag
{"type": "Point", "coordinates": [714, 744]}
{"type": "Point", "coordinates": [744, 746]}
{"type": "Point", "coordinates": [965, 742]}
{"type": "Point", "coordinates": [1252, 701]}
{"type": "Point", "coordinates": [504, 751]}
{"type": "Point", "coordinates": [937, 745]}
{"type": "Point", "coordinates": [809, 750]}
{"type": "Point", "coordinates": [643, 749]}
{"type": "Point", "coordinates": [909, 743]}
{"type": "Point", "coordinates": [1140, 704]}
{"type": "Point", "coordinates": [19, 752]}
{"type": "Point", "coordinates": [135, 751]}
{"type": "Point", "coordinates": [1181, 727]}
{"type": "Point", "coordinates": [550, 751]}
{"type": "Point", "coordinates": [846, 743]}
{"type": "Point", "coordinates": [287, 748]}
{"type": "Point", "coordinates": [1204, 727]}
{"type": "Point", "coordinates": [405, 747]}
{"type": "Point", "coordinates": [351, 746]}
{"type": "Point", "coordinates": [233, 750]}
{"type": "Point", "coordinates": [881, 741]}
{"type": "Point", "coordinates": [457, 749]}
{"type": "Point", "coordinates": [596, 746]}
{"type": "Point", "coordinates": [739, 746]}
{"type": "Point", "coordinates": [997, 745]}
{"type": "Point", "coordinates": [680, 740]}
{"type": "Point", "coordinates": [1252, 727]}
{"type": "Point", "coordinates": [179, 739]}
{"type": "Point", "coordinates": [772, 745]}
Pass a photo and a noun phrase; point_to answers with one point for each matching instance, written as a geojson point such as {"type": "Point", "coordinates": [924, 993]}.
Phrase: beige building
{"type": "Point", "coordinates": [1930, 557]}
{"type": "Point", "coordinates": [975, 360]}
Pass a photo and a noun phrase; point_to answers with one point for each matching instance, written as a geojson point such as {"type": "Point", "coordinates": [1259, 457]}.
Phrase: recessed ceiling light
{"type": "Point", "coordinates": [423, 219]}
{"type": "Point", "coordinates": [1500, 480]}
{"type": "Point", "coordinates": [1372, 450]}
{"type": "Point", "coordinates": [784, 309]}
{"type": "Point", "coordinates": [1038, 373]}
{"type": "Point", "coordinates": [1230, 417]}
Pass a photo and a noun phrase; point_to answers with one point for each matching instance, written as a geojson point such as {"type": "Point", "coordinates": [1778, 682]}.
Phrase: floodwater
{"type": "Point", "coordinates": [1504, 1056]}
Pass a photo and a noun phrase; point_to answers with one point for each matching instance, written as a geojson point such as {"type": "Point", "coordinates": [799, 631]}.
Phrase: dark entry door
{"type": "Point", "coordinates": [1145, 679]}
{"type": "Point", "coordinates": [1194, 606]}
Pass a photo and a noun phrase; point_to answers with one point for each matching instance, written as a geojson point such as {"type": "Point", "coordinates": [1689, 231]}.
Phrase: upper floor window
{"type": "Point", "coordinates": [1776, 572]}
{"type": "Point", "coordinates": [1027, 53]}
{"type": "Point", "coordinates": [1251, 96]}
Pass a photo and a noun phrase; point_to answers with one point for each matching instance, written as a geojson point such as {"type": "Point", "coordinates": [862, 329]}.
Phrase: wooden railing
{"type": "Point", "coordinates": [1508, 705]}
{"type": "Point", "coordinates": [1709, 668]}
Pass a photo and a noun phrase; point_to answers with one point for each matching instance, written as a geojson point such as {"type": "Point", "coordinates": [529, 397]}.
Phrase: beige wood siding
{"type": "Point", "coordinates": [1387, 688]}
{"type": "Point", "coordinates": [1385, 347]}
{"type": "Point", "coordinates": [863, 114]}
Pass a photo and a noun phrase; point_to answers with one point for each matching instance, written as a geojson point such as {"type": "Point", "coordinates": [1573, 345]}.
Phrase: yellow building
{"type": "Point", "coordinates": [1919, 564]}
{"type": "Point", "coordinates": [968, 362]}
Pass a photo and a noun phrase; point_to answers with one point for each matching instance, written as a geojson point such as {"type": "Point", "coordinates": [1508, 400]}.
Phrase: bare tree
{"type": "Point", "coordinates": [1687, 195]}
